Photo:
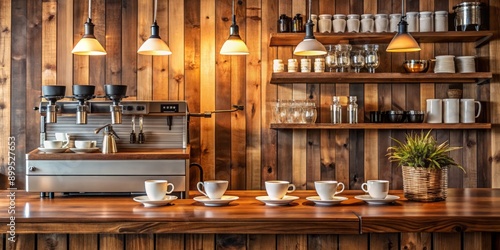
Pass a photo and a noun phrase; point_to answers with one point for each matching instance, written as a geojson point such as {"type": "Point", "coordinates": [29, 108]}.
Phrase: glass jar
{"type": "Point", "coordinates": [412, 20]}
{"type": "Point", "coordinates": [325, 23]}
{"type": "Point", "coordinates": [292, 65]}
{"type": "Point", "coordinates": [336, 110]}
{"type": "Point", "coordinates": [310, 113]}
{"type": "Point", "coordinates": [367, 23]}
{"type": "Point", "coordinates": [353, 23]}
{"type": "Point", "coordinates": [381, 23]}
{"type": "Point", "coordinates": [394, 20]}
{"type": "Point", "coordinates": [343, 57]}
{"type": "Point", "coordinates": [305, 65]}
{"type": "Point", "coordinates": [278, 66]}
{"type": "Point", "coordinates": [297, 24]}
{"type": "Point", "coordinates": [330, 59]}
{"type": "Point", "coordinates": [426, 21]}
{"type": "Point", "coordinates": [441, 20]}
{"type": "Point", "coordinates": [339, 23]}
{"type": "Point", "coordinates": [357, 59]}
{"type": "Point", "coordinates": [372, 58]}
{"type": "Point", "coordinates": [319, 65]}
{"type": "Point", "coordinates": [352, 110]}
{"type": "Point", "coordinates": [284, 23]}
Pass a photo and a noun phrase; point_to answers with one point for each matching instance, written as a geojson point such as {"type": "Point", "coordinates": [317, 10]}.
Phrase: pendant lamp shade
{"type": "Point", "coordinates": [89, 45]}
{"type": "Point", "coordinates": [403, 41]}
{"type": "Point", "coordinates": [234, 45]}
{"type": "Point", "coordinates": [154, 46]}
{"type": "Point", "coordinates": [309, 46]}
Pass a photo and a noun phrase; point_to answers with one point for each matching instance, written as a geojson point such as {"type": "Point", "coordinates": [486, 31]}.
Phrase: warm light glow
{"type": "Point", "coordinates": [154, 47]}
{"type": "Point", "coordinates": [234, 46]}
{"type": "Point", "coordinates": [88, 46]}
{"type": "Point", "coordinates": [310, 47]}
{"type": "Point", "coordinates": [403, 42]}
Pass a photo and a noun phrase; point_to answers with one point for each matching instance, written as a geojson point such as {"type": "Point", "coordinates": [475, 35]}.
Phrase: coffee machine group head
{"type": "Point", "coordinates": [52, 94]}
{"type": "Point", "coordinates": [115, 93]}
{"type": "Point", "coordinates": [82, 93]}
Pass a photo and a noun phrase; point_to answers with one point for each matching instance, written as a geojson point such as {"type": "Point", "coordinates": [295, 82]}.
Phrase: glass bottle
{"type": "Point", "coordinates": [352, 110]}
{"type": "Point", "coordinates": [372, 59]}
{"type": "Point", "coordinates": [336, 110]}
{"type": "Point", "coordinates": [343, 56]}
{"type": "Point", "coordinates": [297, 25]}
{"type": "Point", "coordinates": [283, 24]}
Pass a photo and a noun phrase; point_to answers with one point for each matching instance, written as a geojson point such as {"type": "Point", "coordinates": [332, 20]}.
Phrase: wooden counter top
{"type": "Point", "coordinates": [465, 210]}
{"type": "Point", "coordinates": [124, 154]}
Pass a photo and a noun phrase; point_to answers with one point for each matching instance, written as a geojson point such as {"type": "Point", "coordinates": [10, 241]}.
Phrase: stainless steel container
{"type": "Point", "coordinates": [470, 15]}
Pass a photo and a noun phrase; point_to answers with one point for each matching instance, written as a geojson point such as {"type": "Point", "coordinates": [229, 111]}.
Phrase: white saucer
{"type": "Point", "coordinates": [84, 150]}
{"type": "Point", "coordinates": [336, 200]}
{"type": "Point", "coordinates": [271, 202]}
{"type": "Point", "coordinates": [52, 150]}
{"type": "Point", "coordinates": [370, 200]}
{"type": "Point", "coordinates": [224, 200]}
{"type": "Point", "coordinates": [149, 203]}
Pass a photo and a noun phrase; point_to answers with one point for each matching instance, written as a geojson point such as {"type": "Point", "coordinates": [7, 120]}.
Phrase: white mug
{"type": "Point", "coordinates": [85, 144]}
{"type": "Point", "coordinates": [434, 111]}
{"type": "Point", "coordinates": [157, 189]}
{"type": "Point", "coordinates": [377, 189]}
{"type": "Point", "coordinates": [451, 110]}
{"type": "Point", "coordinates": [52, 144]}
{"type": "Point", "coordinates": [328, 189]}
{"type": "Point", "coordinates": [468, 110]}
{"type": "Point", "coordinates": [276, 190]}
{"type": "Point", "coordinates": [213, 189]}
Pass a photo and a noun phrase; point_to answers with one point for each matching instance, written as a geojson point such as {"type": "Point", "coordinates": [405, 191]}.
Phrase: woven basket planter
{"type": "Point", "coordinates": [426, 185]}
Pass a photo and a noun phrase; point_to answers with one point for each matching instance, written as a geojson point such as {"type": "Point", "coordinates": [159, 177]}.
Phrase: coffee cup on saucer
{"type": "Point", "coordinates": [213, 189]}
{"type": "Point", "coordinates": [52, 144]}
{"type": "Point", "coordinates": [377, 189]}
{"type": "Point", "coordinates": [276, 190]}
{"type": "Point", "coordinates": [85, 144]}
{"type": "Point", "coordinates": [157, 189]}
{"type": "Point", "coordinates": [328, 189]}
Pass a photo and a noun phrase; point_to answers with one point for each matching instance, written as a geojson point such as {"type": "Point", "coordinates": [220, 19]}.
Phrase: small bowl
{"type": "Point", "coordinates": [394, 116]}
{"type": "Point", "coordinates": [415, 116]}
{"type": "Point", "coordinates": [416, 66]}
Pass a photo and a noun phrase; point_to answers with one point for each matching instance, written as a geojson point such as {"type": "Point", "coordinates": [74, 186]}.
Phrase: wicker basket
{"type": "Point", "coordinates": [421, 184]}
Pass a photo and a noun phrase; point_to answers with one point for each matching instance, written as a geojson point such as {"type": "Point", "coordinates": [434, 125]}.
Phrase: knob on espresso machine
{"type": "Point", "coordinates": [115, 93]}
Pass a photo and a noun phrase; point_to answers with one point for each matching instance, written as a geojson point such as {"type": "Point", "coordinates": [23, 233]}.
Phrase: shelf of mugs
{"type": "Point", "coordinates": [292, 39]}
{"type": "Point", "coordinates": [378, 126]}
{"type": "Point", "coordinates": [351, 77]}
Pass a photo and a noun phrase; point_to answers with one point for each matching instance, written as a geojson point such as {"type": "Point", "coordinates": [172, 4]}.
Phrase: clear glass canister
{"type": "Point", "coordinates": [357, 59]}
{"type": "Point", "coordinates": [331, 59]}
{"type": "Point", "coordinates": [343, 56]}
{"type": "Point", "coordinates": [367, 23]}
{"type": "Point", "coordinates": [336, 110]}
{"type": "Point", "coordinates": [353, 23]}
{"type": "Point", "coordinates": [412, 20]}
{"type": "Point", "coordinates": [381, 23]}
{"type": "Point", "coordinates": [426, 21]}
{"type": "Point", "coordinates": [372, 58]}
{"type": "Point", "coordinates": [339, 23]}
{"type": "Point", "coordinates": [441, 20]}
{"type": "Point", "coordinates": [394, 20]}
{"type": "Point", "coordinates": [352, 110]}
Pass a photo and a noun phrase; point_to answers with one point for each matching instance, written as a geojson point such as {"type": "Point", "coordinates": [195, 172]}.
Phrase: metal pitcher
{"type": "Point", "coordinates": [108, 142]}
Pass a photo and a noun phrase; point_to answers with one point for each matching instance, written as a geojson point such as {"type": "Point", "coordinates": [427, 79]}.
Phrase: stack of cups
{"type": "Point", "coordinates": [445, 64]}
{"type": "Point", "coordinates": [466, 64]}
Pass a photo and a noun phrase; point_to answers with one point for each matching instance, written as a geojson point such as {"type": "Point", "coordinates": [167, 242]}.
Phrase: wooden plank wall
{"type": "Point", "coordinates": [456, 241]}
{"type": "Point", "coordinates": [239, 147]}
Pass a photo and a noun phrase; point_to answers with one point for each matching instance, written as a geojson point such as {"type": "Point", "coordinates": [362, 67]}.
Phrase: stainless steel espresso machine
{"type": "Point", "coordinates": [151, 140]}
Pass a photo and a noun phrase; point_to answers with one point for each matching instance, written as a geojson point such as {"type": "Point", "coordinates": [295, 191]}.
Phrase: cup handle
{"type": "Point", "coordinates": [293, 188]}
{"type": "Point", "coordinates": [341, 190]}
{"type": "Point", "coordinates": [200, 186]}
{"type": "Point", "coordinates": [479, 108]}
{"type": "Point", "coordinates": [364, 187]}
{"type": "Point", "coordinates": [172, 189]}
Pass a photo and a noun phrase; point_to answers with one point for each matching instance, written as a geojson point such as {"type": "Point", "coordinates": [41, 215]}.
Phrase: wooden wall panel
{"type": "Point", "coordinates": [80, 63]}
{"type": "Point", "coordinates": [49, 37]}
{"type": "Point", "coordinates": [82, 241]}
{"type": "Point", "coordinates": [139, 242]}
{"type": "Point", "coordinates": [113, 42]}
{"type": "Point", "coordinates": [169, 241]}
{"type": "Point", "coordinates": [160, 64]}
{"type": "Point", "coordinates": [5, 84]}
{"type": "Point", "coordinates": [144, 63]}
{"type": "Point", "coordinates": [494, 93]}
{"type": "Point", "coordinates": [111, 241]}
{"type": "Point", "coordinates": [129, 46]}
{"type": "Point", "coordinates": [64, 43]}
{"type": "Point", "coordinates": [56, 241]}
{"type": "Point", "coordinates": [97, 64]}
{"type": "Point", "coordinates": [176, 41]}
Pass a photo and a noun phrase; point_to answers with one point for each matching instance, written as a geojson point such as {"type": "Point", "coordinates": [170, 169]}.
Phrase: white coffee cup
{"type": "Point", "coordinates": [213, 189]}
{"type": "Point", "coordinates": [377, 189]}
{"type": "Point", "coordinates": [52, 144]}
{"type": "Point", "coordinates": [328, 189]}
{"type": "Point", "coordinates": [434, 111]}
{"type": "Point", "coordinates": [85, 144]}
{"type": "Point", "coordinates": [276, 190]}
{"type": "Point", "coordinates": [451, 110]}
{"type": "Point", "coordinates": [468, 110]}
{"type": "Point", "coordinates": [62, 136]}
{"type": "Point", "coordinates": [157, 189]}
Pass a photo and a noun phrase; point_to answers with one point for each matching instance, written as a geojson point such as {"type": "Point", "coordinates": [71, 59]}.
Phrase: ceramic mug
{"type": "Point", "coordinates": [328, 189]}
{"type": "Point", "coordinates": [52, 144]}
{"type": "Point", "coordinates": [213, 189]}
{"type": "Point", "coordinates": [276, 190]}
{"type": "Point", "coordinates": [451, 110]}
{"type": "Point", "coordinates": [85, 144]}
{"type": "Point", "coordinates": [377, 189]}
{"type": "Point", "coordinates": [434, 111]}
{"type": "Point", "coordinates": [468, 110]}
{"type": "Point", "coordinates": [157, 189]}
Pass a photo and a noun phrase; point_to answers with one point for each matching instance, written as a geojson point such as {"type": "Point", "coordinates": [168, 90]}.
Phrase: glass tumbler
{"type": "Point", "coordinates": [357, 59]}
{"type": "Point", "coordinates": [309, 114]}
{"type": "Point", "coordinates": [343, 56]}
{"type": "Point", "coordinates": [372, 59]}
{"type": "Point", "coordinates": [330, 59]}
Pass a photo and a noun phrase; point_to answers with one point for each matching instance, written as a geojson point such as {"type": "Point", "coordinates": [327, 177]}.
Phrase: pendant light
{"type": "Point", "coordinates": [309, 46]}
{"type": "Point", "coordinates": [403, 41]}
{"type": "Point", "coordinates": [234, 45]}
{"type": "Point", "coordinates": [154, 46]}
{"type": "Point", "coordinates": [89, 45]}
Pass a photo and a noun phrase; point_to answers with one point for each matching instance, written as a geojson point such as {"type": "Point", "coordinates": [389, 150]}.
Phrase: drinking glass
{"type": "Point", "coordinates": [357, 59]}
{"type": "Point", "coordinates": [372, 59]}
{"type": "Point", "coordinates": [343, 56]}
{"type": "Point", "coordinates": [309, 114]}
{"type": "Point", "coordinates": [330, 60]}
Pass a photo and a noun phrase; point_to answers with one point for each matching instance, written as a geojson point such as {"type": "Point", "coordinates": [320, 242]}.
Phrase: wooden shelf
{"type": "Point", "coordinates": [335, 77]}
{"type": "Point", "coordinates": [292, 39]}
{"type": "Point", "coordinates": [378, 126]}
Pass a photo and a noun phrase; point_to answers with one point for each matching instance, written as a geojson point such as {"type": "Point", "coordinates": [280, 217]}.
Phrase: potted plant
{"type": "Point", "coordinates": [425, 165]}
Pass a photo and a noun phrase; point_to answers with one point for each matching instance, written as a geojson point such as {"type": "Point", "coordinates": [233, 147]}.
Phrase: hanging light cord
{"type": "Point", "coordinates": [309, 14]}
{"type": "Point", "coordinates": [234, 15]}
{"type": "Point", "coordinates": [403, 16]}
{"type": "Point", "coordinates": [156, 7]}
{"type": "Point", "coordinates": [90, 9]}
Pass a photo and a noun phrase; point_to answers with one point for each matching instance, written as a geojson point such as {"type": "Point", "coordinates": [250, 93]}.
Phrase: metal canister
{"type": "Point", "coordinates": [470, 15]}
